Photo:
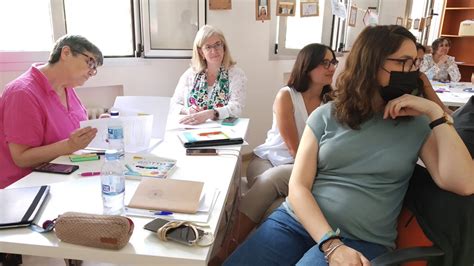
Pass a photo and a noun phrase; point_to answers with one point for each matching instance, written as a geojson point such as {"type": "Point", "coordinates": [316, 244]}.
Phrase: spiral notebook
{"type": "Point", "coordinates": [19, 206]}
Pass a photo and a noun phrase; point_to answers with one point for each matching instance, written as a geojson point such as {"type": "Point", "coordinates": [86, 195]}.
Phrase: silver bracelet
{"type": "Point", "coordinates": [329, 252]}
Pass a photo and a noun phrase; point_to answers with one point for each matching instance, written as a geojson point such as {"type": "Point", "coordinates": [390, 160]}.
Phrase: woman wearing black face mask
{"type": "Point", "coordinates": [354, 161]}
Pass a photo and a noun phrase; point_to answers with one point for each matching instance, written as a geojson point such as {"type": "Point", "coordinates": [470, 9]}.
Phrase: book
{"type": "Point", "coordinates": [19, 206]}
{"type": "Point", "coordinates": [209, 137]}
{"type": "Point", "coordinates": [146, 165]}
{"type": "Point", "coordinates": [167, 195]}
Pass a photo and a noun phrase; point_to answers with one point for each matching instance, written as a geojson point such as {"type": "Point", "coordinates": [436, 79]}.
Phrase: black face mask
{"type": "Point", "coordinates": [401, 83]}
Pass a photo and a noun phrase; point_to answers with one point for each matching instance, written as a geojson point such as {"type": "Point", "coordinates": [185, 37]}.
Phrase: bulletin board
{"type": "Point", "coordinates": [220, 4]}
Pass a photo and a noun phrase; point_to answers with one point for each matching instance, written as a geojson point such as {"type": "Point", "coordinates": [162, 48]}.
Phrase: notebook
{"type": "Point", "coordinates": [167, 195]}
{"type": "Point", "coordinates": [19, 206]}
{"type": "Point", "coordinates": [148, 165]}
{"type": "Point", "coordinates": [209, 137]}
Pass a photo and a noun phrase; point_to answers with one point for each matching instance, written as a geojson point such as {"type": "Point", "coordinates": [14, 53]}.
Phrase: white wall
{"type": "Point", "coordinates": [248, 40]}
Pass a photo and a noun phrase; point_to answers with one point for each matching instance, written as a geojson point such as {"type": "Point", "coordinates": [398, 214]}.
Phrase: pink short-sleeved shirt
{"type": "Point", "coordinates": [31, 114]}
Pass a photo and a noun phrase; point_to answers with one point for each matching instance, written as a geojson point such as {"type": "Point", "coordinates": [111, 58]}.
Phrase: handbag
{"type": "Point", "coordinates": [101, 231]}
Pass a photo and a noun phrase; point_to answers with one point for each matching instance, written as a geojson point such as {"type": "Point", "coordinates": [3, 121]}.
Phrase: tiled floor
{"type": "Point", "coordinates": [44, 261]}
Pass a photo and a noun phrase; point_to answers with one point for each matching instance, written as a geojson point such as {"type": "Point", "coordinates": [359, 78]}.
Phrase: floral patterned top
{"type": "Point", "coordinates": [227, 95]}
{"type": "Point", "coordinates": [447, 71]}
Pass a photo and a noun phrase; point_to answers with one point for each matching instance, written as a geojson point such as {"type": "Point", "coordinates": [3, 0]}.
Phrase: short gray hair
{"type": "Point", "coordinates": [77, 44]}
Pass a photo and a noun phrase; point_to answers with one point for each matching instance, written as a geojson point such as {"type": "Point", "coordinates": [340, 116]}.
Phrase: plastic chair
{"type": "Point", "coordinates": [413, 247]}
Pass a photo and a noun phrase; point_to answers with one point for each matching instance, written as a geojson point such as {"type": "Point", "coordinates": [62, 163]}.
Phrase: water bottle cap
{"type": "Point", "coordinates": [114, 113]}
{"type": "Point", "coordinates": [111, 155]}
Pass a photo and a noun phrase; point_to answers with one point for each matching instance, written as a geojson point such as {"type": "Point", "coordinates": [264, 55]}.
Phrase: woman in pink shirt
{"type": "Point", "coordinates": [40, 111]}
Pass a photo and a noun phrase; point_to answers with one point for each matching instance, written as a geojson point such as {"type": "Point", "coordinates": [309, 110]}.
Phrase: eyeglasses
{"type": "Point", "coordinates": [408, 63]}
{"type": "Point", "coordinates": [91, 63]}
{"type": "Point", "coordinates": [217, 46]}
{"type": "Point", "coordinates": [326, 63]}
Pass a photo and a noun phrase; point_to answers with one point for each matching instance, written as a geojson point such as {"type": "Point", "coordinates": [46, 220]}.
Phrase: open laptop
{"type": "Point", "coordinates": [19, 206]}
{"type": "Point", "coordinates": [153, 105]}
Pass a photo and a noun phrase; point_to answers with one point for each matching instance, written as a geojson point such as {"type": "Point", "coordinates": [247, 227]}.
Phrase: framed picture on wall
{"type": "Point", "coordinates": [309, 9]}
{"type": "Point", "coordinates": [428, 22]}
{"type": "Point", "coordinates": [399, 21]}
{"type": "Point", "coordinates": [285, 8]}
{"type": "Point", "coordinates": [422, 24]}
{"type": "Point", "coordinates": [416, 24]}
{"type": "Point", "coordinates": [353, 16]}
{"type": "Point", "coordinates": [262, 10]}
{"type": "Point", "coordinates": [409, 23]}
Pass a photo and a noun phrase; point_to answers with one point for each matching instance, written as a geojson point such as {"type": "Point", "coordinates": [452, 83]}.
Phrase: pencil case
{"type": "Point", "coordinates": [100, 231]}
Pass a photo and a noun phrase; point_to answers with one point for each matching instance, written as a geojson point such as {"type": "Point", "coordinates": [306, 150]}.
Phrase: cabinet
{"type": "Point", "coordinates": [462, 47]}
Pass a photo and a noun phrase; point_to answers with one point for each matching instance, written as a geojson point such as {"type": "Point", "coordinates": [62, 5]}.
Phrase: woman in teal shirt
{"type": "Point", "coordinates": [355, 159]}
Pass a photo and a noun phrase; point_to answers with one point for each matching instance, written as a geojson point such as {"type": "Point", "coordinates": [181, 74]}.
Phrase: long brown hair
{"type": "Point", "coordinates": [309, 58]}
{"type": "Point", "coordinates": [357, 85]}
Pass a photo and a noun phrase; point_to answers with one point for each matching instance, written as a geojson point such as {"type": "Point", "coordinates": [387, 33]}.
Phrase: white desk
{"type": "Point", "coordinates": [83, 194]}
{"type": "Point", "coordinates": [455, 96]}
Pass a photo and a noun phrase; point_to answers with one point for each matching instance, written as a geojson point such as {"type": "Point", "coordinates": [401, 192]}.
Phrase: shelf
{"type": "Point", "coordinates": [466, 64]}
{"type": "Point", "coordinates": [455, 36]}
{"type": "Point", "coordinates": [459, 8]}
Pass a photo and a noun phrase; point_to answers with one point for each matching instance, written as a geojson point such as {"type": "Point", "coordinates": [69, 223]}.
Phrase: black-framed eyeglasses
{"type": "Point", "coordinates": [408, 63]}
{"type": "Point", "coordinates": [326, 63]}
{"type": "Point", "coordinates": [91, 63]}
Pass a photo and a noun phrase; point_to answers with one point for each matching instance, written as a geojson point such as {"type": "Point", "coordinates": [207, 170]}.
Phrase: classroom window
{"type": "Point", "coordinates": [294, 32]}
{"type": "Point", "coordinates": [169, 27]}
{"type": "Point", "coordinates": [25, 29]}
{"type": "Point", "coordinates": [111, 31]}
{"type": "Point", "coordinates": [120, 28]}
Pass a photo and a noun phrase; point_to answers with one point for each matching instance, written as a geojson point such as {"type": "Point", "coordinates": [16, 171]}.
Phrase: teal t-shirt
{"type": "Point", "coordinates": [363, 174]}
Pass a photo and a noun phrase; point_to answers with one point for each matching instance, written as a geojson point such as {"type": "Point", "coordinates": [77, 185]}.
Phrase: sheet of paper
{"type": "Point", "coordinates": [338, 9]}
{"type": "Point", "coordinates": [137, 132]}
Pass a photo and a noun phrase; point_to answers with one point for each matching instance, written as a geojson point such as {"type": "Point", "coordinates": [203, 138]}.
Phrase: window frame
{"type": "Point", "coordinates": [280, 51]}
{"type": "Point", "coordinates": [147, 51]}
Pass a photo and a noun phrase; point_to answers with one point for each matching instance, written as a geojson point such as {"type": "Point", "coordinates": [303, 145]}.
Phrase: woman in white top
{"type": "Point", "coordinates": [269, 172]}
{"type": "Point", "coordinates": [213, 87]}
{"type": "Point", "coordinates": [439, 65]}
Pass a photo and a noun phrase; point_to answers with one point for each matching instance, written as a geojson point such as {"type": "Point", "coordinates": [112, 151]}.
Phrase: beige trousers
{"type": "Point", "coordinates": [266, 183]}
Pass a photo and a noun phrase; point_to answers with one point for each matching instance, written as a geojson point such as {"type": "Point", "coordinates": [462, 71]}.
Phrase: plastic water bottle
{"type": "Point", "coordinates": [113, 183]}
{"type": "Point", "coordinates": [115, 134]}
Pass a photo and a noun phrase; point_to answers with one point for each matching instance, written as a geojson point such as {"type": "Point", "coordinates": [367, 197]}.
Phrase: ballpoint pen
{"type": "Point", "coordinates": [146, 213]}
{"type": "Point", "coordinates": [90, 173]}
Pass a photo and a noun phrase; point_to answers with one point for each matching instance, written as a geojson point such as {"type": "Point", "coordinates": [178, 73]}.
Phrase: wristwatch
{"type": "Point", "coordinates": [444, 119]}
{"type": "Point", "coordinates": [216, 115]}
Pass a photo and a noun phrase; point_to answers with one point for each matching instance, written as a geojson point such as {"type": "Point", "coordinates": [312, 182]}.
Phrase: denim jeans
{"type": "Point", "coordinates": [281, 240]}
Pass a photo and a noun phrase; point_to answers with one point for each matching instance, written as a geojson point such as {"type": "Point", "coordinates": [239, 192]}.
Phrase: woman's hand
{"type": "Point", "coordinates": [410, 105]}
{"type": "Point", "coordinates": [80, 138]}
{"type": "Point", "coordinates": [197, 118]}
{"type": "Point", "coordinates": [345, 255]}
{"type": "Point", "coordinates": [442, 59]}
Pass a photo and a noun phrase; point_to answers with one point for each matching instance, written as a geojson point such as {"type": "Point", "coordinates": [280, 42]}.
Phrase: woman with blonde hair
{"type": "Point", "coordinates": [213, 87]}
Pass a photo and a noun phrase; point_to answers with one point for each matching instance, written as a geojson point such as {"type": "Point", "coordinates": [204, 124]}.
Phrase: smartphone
{"type": "Point", "coordinates": [230, 121]}
{"type": "Point", "coordinates": [201, 152]}
{"type": "Point", "coordinates": [56, 168]}
{"type": "Point", "coordinates": [183, 234]}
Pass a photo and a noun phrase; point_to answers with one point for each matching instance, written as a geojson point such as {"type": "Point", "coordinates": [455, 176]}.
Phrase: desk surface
{"type": "Point", "coordinates": [455, 96]}
{"type": "Point", "coordinates": [75, 193]}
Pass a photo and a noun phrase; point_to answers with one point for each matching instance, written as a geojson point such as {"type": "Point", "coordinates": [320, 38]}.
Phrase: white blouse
{"type": "Point", "coordinates": [435, 72]}
{"type": "Point", "coordinates": [237, 86]}
{"type": "Point", "coordinates": [274, 149]}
